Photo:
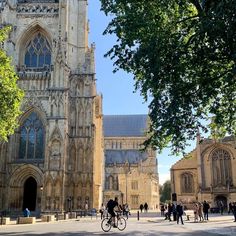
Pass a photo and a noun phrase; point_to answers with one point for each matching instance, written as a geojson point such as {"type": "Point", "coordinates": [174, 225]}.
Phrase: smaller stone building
{"type": "Point", "coordinates": [130, 174]}
{"type": "Point", "coordinates": [207, 173]}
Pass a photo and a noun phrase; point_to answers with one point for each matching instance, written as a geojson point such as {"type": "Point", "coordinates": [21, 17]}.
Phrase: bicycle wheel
{"type": "Point", "coordinates": [106, 225]}
{"type": "Point", "coordinates": [121, 223]}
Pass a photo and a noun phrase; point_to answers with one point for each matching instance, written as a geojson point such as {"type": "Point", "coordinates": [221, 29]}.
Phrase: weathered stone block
{"type": "Point", "coordinates": [26, 220]}
{"type": "Point", "coordinates": [47, 218]}
{"type": "Point", "coordinates": [4, 220]}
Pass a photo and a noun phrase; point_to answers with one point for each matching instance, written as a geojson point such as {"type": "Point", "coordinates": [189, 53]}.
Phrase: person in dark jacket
{"type": "Point", "coordinates": [141, 207]}
{"type": "Point", "coordinates": [205, 209]}
{"type": "Point", "coordinates": [180, 212]}
{"type": "Point", "coordinates": [234, 210]}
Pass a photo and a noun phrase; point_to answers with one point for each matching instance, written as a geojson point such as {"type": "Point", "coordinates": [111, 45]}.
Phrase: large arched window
{"type": "Point", "coordinates": [32, 138]}
{"type": "Point", "coordinates": [221, 168]}
{"type": "Point", "coordinates": [187, 184]}
{"type": "Point", "coordinates": [38, 52]}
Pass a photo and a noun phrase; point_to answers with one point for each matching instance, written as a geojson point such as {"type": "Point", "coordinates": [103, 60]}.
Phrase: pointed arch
{"type": "Point", "coordinates": [33, 108]}
{"type": "Point", "coordinates": [42, 45]}
{"type": "Point", "coordinates": [32, 136]}
{"type": "Point", "coordinates": [57, 188]}
{"type": "Point", "coordinates": [72, 157]}
{"type": "Point", "coordinates": [22, 173]}
{"type": "Point", "coordinates": [187, 182]}
{"type": "Point", "coordinates": [221, 167]}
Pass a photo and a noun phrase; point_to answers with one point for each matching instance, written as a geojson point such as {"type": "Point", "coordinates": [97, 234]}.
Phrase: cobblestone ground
{"type": "Point", "coordinates": [150, 224]}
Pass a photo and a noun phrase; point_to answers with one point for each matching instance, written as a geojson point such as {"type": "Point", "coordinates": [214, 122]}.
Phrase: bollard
{"type": "Point", "coordinates": [138, 215]}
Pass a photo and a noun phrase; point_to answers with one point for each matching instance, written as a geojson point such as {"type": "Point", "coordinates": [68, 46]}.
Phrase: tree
{"type": "Point", "coordinates": [182, 55]}
{"type": "Point", "coordinates": [165, 192]}
{"type": "Point", "coordinates": [10, 94]}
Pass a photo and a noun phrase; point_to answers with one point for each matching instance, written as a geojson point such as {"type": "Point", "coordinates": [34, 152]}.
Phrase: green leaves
{"type": "Point", "coordinates": [10, 94]}
{"type": "Point", "coordinates": [182, 54]}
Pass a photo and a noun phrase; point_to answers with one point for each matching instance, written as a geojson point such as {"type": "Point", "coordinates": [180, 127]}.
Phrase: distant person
{"type": "Point", "coordinates": [234, 210]}
{"type": "Point", "coordinates": [126, 210]}
{"type": "Point", "coordinates": [26, 212]}
{"type": "Point", "coordinates": [145, 207]}
{"type": "Point", "coordinates": [180, 212]}
{"type": "Point", "coordinates": [141, 207]}
{"type": "Point", "coordinates": [205, 209]}
{"type": "Point", "coordinates": [230, 208]}
{"type": "Point", "coordinates": [174, 211]}
{"type": "Point", "coordinates": [169, 211]}
{"type": "Point", "coordinates": [195, 211]}
{"type": "Point", "coordinates": [102, 210]}
{"type": "Point", "coordinates": [200, 211]}
{"type": "Point", "coordinates": [162, 210]}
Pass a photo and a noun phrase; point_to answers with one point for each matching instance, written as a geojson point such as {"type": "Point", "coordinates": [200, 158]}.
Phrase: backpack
{"type": "Point", "coordinates": [110, 204]}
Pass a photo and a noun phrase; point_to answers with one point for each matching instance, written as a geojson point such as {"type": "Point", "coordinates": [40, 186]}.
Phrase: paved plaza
{"type": "Point", "coordinates": [147, 225]}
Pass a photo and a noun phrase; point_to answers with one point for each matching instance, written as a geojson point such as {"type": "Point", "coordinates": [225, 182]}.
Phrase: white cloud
{"type": "Point", "coordinates": [163, 178]}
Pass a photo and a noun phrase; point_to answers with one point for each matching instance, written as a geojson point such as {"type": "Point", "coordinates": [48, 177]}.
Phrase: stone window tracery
{"type": "Point", "coordinates": [221, 167]}
{"type": "Point", "coordinates": [38, 52]}
{"type": "Point", "coordinates": [32, 138]}
{"type": "Point", "coordinates": [187, 183]}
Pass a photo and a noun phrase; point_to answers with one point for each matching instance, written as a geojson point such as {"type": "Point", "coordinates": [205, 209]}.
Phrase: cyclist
{"type": "Point", "coordinates": [110, 208]}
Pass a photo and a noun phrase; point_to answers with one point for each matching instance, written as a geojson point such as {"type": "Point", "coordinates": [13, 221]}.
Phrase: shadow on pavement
{"type": "Point", "coordinates": [132, 233]}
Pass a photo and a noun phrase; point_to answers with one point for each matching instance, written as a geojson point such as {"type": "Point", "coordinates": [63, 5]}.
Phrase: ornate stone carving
{"type": "Point", "coordinates": [42, 8]}
{"type": "Point", "coordinates": [32, 100]}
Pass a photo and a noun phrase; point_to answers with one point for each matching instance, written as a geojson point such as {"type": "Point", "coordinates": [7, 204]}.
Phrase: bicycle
{"type": "Point", "coordinates": [107, 223]}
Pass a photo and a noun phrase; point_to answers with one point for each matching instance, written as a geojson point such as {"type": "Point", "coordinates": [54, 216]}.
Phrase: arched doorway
{"type": "Point", "coordinates": [30, 194]}
{"type": "Point", "coordinates": [220, 199]}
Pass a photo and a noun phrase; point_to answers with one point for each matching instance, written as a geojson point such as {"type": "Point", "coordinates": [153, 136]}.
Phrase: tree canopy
{"type": "Point", "coordinates": [182, 55]}
{"type": "Point", "coordinates": [165, 192]}
{"type": "Point", "coordinates": [10, 94]}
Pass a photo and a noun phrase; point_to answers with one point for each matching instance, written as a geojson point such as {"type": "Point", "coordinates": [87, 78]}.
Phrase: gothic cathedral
{"type": "Point", "coordinates": [55, 159]}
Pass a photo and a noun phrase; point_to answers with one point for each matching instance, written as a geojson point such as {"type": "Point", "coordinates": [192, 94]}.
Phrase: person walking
{"type": "Point", "coordinates": [221, 206]}
{"type": "Point", "coordinates": [102, 211]}
{"type": "Point", "coordinates": [180, 212]}
{"type": "Point", "coordinates": [174, 211]}
{"type": "Point", "coordinates": [230, 208]}
{"type": "Point", "coordinates": [200, 211]}
{"type": "Point", "coordinates": [195, 211]}
{"type": "Point", "coordinates": [141, 207]}
{"type": "Point", "coordinates": [205, 209]}
{"type": "Point", "coordinates": [145, 207]}
{"type": "Point", "coordinates": [126, 211]}
{"type": "Point", "coordinates": [169, 211]}
{"type": "Point", "coordinates": [162, 210]}
{"type": "Point", "coordinates": [234, 210]}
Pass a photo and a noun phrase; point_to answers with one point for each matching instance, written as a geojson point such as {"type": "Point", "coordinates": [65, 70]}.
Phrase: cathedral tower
{"type": "Point", "coordinates": [54, 161]}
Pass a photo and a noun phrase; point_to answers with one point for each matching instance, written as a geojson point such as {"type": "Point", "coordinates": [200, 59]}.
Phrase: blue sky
{"type": "Point", "coordinates": [118, 89]}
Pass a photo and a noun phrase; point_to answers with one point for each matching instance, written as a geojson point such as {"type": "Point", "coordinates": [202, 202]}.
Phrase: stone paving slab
{"type": "Point", "coordinates": [150, 226]}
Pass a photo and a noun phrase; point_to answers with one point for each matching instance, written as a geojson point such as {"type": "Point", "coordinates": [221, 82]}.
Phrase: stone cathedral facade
{"type": "Point", "coordinates": [207, 173]}
{"type": "Point", "coordinates": [130, 175]}
{"type": "Point", "coordinates": [55, 159]}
